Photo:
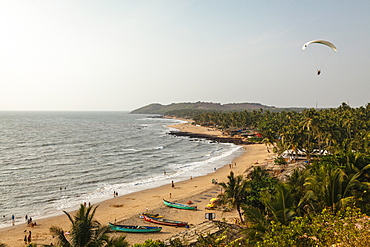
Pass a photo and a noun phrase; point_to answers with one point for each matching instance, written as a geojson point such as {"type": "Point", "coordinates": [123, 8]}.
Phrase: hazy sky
{"type": "Point", "coordinates": [121, 55]}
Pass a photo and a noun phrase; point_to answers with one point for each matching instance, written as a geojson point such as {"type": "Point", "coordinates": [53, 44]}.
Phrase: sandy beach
{"type": "Point", "coordinates": [125, 209]}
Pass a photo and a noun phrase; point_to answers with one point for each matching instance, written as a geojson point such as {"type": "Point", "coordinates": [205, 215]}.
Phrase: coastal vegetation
{"type": "Point", "coordinates": [86, 231]}
{"type": "Point", "coordinates": [326, 203]}
{"type": "Point", "coordinates": [336, 130]}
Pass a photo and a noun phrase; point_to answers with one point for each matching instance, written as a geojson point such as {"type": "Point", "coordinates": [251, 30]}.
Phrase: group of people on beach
{"type": "Point", "coordinates": [30, 222]}
{"type": "Point", "coordinates": [231, 165]}
{"type": "Point", "coordinates": [27, 239]}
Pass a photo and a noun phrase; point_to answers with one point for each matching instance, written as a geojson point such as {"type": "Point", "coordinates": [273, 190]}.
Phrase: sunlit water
{"type": "Point", "coordinates": [54, 161]}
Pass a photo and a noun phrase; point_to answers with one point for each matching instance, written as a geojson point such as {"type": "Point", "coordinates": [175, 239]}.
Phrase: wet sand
{"type": "Point", "coordinates": [125, 209]}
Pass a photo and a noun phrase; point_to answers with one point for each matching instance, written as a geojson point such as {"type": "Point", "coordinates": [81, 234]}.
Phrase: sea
{"type": "Point", "coordinates": [52, 162]}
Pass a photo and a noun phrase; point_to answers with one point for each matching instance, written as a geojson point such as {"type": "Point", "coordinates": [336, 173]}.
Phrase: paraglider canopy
{"type": "Point", "coordinates": [317, 50]}
{"type": "Point", "coordinates": [323, 42]}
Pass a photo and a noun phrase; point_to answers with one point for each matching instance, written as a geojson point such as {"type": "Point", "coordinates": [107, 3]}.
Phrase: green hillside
{"type": "Point", "coordinates": [205, 106]}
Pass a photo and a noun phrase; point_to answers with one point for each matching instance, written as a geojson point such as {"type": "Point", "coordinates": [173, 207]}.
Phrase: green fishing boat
{"type": "Point", "coordinates": [178, 205]}
{"type": "Point", "coordinates": [134, 229]}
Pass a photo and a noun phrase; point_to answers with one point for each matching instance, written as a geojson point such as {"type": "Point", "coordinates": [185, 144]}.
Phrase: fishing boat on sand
{"type": "Point", "coordinates": [166, 222]}
{"type": "Point", "coordinates": [134, 229]}
{"type": "Point", "coordinates": [178, 205]}
{"type": "Point", "coordinates": [150, 215]}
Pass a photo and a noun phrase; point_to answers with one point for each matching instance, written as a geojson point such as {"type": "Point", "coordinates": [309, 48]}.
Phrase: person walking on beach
{"type": "Point", "coordinates": [29, 237]}
{"type": "Point", "coordinates": [173, 184]}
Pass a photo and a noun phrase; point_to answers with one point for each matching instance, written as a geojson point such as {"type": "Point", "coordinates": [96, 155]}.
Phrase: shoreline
{"type": "Point", "coordinates": [198, 189]}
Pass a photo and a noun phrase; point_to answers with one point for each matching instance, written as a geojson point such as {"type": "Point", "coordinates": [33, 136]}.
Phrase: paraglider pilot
{"type": "Point", "coordinates": [322, 42]}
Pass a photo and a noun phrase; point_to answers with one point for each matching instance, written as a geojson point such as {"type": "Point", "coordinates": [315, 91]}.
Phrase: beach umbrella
{"type": "Point", "coordinates": [210, 205]}
{"type": "Point", "coordinates": [213, 199]}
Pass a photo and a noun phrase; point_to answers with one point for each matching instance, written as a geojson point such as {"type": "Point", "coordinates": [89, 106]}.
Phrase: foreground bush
{"type": "Point", "coordinates": [348, 228]}
{"type": "Point", "coordinates": [150, 243]}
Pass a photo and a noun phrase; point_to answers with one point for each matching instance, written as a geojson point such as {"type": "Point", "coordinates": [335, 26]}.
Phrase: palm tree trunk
{"type": "Point", "coordinates": [240, 214]}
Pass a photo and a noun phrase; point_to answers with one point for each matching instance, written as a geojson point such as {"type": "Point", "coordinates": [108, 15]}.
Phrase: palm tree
{"type": "Point", "coordinates": [117, 242]}
{"type": "Point", "coordinates": [310, 129]}
{"type": "Point", "coordinates": [299, 194]}
{"type": "Point", "coordinates": [85, 232]}
{"type": "Point", "coordinates": [234, 192]}
{"type": "Point", "coordinates": [334, 188]}
{"type": "Point", "coordinates": [258, 219]}
{"type": "Point", "coordinates": [259, 180]}
{"type": "Point", "coordinates": [281, 204]}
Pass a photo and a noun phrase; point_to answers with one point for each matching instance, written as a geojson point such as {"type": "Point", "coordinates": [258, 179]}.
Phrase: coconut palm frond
{"type": "Point", "coordinates": [60, 236]}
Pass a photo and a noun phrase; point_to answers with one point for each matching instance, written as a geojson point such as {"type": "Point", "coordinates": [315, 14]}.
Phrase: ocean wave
{"type": "Point", "coordinates": [94, 156]}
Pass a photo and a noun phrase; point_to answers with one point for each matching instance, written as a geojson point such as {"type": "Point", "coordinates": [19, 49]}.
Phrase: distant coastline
{"type": "Point", "coordinates": [156, 108]}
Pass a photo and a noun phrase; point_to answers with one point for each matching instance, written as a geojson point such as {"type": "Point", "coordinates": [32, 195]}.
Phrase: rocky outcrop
{"type": "Point", "coordinates": [237, 141]}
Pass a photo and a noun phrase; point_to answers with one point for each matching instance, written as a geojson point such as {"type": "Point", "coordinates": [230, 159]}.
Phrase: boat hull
{"type": "Point", "coordinates": [178, 205]}
{"type": "Point", "coordinates": [133, 229]}
{"type": "Point", "coordinates": [166, 222]}
{"type": "Point", "coordinates": [150, 215]}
